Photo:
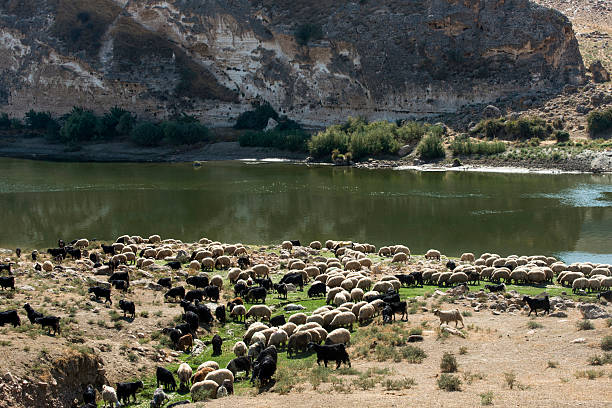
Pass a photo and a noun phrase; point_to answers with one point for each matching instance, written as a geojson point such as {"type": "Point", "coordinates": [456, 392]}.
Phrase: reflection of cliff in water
{"type": "Point", "coordinates": [454, 212]}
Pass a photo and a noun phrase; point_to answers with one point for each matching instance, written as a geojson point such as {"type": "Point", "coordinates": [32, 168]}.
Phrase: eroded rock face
{"type": "Point", "coordinates": [385, 59]}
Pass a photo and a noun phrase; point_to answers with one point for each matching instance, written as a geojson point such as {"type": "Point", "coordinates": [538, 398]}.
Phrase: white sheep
{"type": "Point", "coordinates": [154, 239]}
{"type": "Point", "coordinates": [217, 280]}
{"type": "Point", "coordinates": [212, 364]}
{"type": "Point", "coordinates": [239, 349]}
{"type": "Point", "coordinates": [364, 284]}
{"type": "Point", "coordinates": [286, 245]}
{"type": "Point", "coordinates": [109, 395]}
{"type": "Point", "coordinates": [366, 313]}
{"type": "Point", "coordinates": [315, 318]}
{"type": "Point", "coordinates": [356, 294]}
{"type": "Point", "coordinates": [447, 316]}
{"type": "Point", "coordinates": [298, 318]}
{"type": "Point", "coordinates": [457, 277]}
{"type": "Point", "coordinates": [433, 254]}
{"type": "Point", "coordinates": [315, 245]}
{"type": "Point", "coordinates": [278, 338]}
{"type": "Point", "coordinates": [344, 319]}
{"type": "Point", "coordinates": [82, 243]}
{"type": "Point", "coordinates": [239, 311]}
{"type": "Point", "coordinates": [184, 373]}
{"type": "Point", "coordinates": [261, 270]}
{"type": "Point", "coordinates": [259, 311]}
{"type": "Point", "coordinates": [352, 265]}
{"type": "Point", "coordinates": [399, 257]}
{"type": "Point", "coordinates": [220, 375]}
{"type": "Point", "coordinates": [195, 265]}
{"type": "Point", "coordinates": [204, 390]}
{"type": "Point", "coordinates": [47, 266]}
{"type": "Point", "coordinates": [384, 251]}
{"type": "Point", "coordinates": [289, 328]}
{"type": "Point", "coordinates": [536, 276]}
{"type": "Point", "coordinates": [253, 328]}
{"type": "Point", "coordinates": [594, 284]}
{"type": "Point", "coordinates": [382, 287]}
{"type": "Point", "coordinates": [467, 257]}
{"type": "Point", "coordinates": [580, 283]}
{"type": "Point", "coordinates": [339, 336]}
{"type": "Point", "coordinates": [258, 337]}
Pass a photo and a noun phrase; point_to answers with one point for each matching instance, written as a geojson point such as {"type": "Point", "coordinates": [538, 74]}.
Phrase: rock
{"type": "Point", "coordinates": [579, 340]}
{"type": "Point", "coordinates": [496, 313]}
{"type": "Point", "coordinates": [413, 338]}
{"type": "Point", "coordinates": [439, 293]}
{"type": "Point", "coordinates": [452, 330]}
{"type": "Point", "coordinates": [154, 286]}
{"type": "Point", "coordinates": [96, 282]}
{"type": "Point", "coordinates": [599, 73]}
{"type": "Point", "coordinates": [590, 311]}
{"type": "Point", "coordinates": [27, 288]}
{"type": "Point", "coordinates": [558, 313]}
{"type": "Point", "coordinates": [404, 150]}
{"type": "Point", "coordinates": [491, 112]}
{"type": "Point", "coordinates": [8, 377]}
{"type": "Point", "coordinates": [272, 124]}
{"type": "Point", "coordinates": [582, 109]}
{"type": "Point", "coordinates": [103, 270]}
{"type": "Point", "coordinates": [198, 347]}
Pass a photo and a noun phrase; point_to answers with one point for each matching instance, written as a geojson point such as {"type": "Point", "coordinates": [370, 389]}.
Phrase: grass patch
{"type": "Point", "coordinates": [533, 324]}
{"type": "Point", "coordinates": [598, 360]}
{"type": "Point", "coordinates": [606, 343]}
{"type": "Point", "coordinates": [404, 383]}
{"type": "Point", "coordinates": [590, 374]}
{"type": "Point", "coordinates": [486, 398]}
{"type": "Point", "coordinates": [464, 146]}
{"type": "Point", "coordinates": [585, 324]}
{"type": "Point", "coordinates": [448, 363]}
{"type": "Point", "coordinates": [524, 128]}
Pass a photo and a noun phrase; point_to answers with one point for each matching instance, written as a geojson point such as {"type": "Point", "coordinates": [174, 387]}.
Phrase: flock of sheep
{"type": "Point", "coordinates": [356, 290]}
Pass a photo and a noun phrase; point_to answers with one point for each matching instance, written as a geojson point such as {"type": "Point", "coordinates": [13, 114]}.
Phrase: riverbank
{"type": "Point", "coordinates": [567, 160]}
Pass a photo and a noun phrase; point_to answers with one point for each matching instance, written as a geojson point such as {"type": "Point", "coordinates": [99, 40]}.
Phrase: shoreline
{"type": "Point", "coordinates": [38, 148]}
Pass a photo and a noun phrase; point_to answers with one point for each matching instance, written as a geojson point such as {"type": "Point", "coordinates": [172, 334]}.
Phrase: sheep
{"type": "Point", "coordinates": [467, 257]}
{"type": "Point", "coordinates": [519, 276]}
{"type": "Point", "coordinates": [569, 278]}
{"type": "Point", "coordinates": [382, 287]}
{"type": "Point", "coordinates": [594, 284]}
{"type": "Point", "coordinates": [184, 373]}
{"type": "Point", "coordinates": [535, 304]}
{"type": "Point", "coordinates": [239, 311]}
{"type": "Point", "coordinates": [289, 328]}
{"type": "Point", "coordinates": [109, 395]}
{"type": "Point", "coordinates": [343, 319]}
{"type": "Point", "coordinates": [261, 270]}
{"type": "Point", "coordinates": [364, 284]}
{"type": "Point", "coordinates": [208, 264]}
{"type": "Point", "coordinates": [536, 276]}
{"type": "Point", "coordinates": [126, 390]}
{"type": "Point", "coordinates": [448, 316]}
{"type": "Point", "coordinates": [457, 277]}
{"type": "Point", "coordinates": [239, 349]}
{"type": "Point", "coordinates": [366, 313]}
{"type": "Point", "coordinates": [159, 398]}
{"type": "Point", "coordinates": [259, 311]}
{"type": "Point", "coordinates": [254, 328]}
{"type": "Point", "coordinates": [233, 275]}
{"type": "Point", "coordinates": [201, 374]}
{"type": "Point", "coordinates": [338, 336]}
{"type": "Point", "coordinates": [433, 254]}
{"type": "Point", "coordinates": [239, 364]}
{"type": "Point", "coordinates": [220, 375]}
{"type": "Point", "coordinates": [127, 307]}
{"type": "Point", "coordinates": [211, 364]}
{"type": "Point", "coordinates": [341, 298]}
{"type": "Point", "coordinates": [317, 289]}
{"type": "Point", "coordinates": [217, 342]}
{"type": "Point", "coordinates": [298, 318]}
{"type": "Point", "coordinates": [384, 251]}
{"type": "Point", "coordinates": [258, 337]}
{"type": "Point", "coordinates": [203, 390]}
{"type": "Point", "coordinates": [52, 322]}
{"type": "Point", "coordinates": [580, 283]}
{"type": "Point", "coordinates": [334, 281]}
{"type": "Point", "coordinates": [399, 257]}
{"type": "Point", "coordinates": [315, 245]}
{"type": "Point", "coordinates": [278, 338]}
{"type": "Point", "coordinates": [499, 274]}
{"type": "Point", "coordinates": [185, 343]}
{"type": "Point", "coordinates": [298, 341]}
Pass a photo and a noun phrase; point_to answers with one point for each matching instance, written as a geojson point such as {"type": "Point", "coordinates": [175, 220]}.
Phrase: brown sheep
{"type": "Point", "coordinates": [185, 343]}
{"type": "Point", "coordinates": [201, 374]}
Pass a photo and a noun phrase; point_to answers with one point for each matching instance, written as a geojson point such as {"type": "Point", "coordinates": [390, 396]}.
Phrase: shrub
{"type": "Point", "coordinates": [532, 324]}
{"type": "Point", "coordinates": [430, 147]}
{"type": "Point", "coordinates": [256, 119]}
{"type": "Point", "coordinates": [449, 382]}
{"type": "Point", "coordinates": [181, 133]}
{"type": "Point", "coordinates": [448, 363]}
{"type": "Point", "coordinates": [293, 140]}
{"type": "Point", "coordinates": [606, 358]}
{"type": "Point", "coordinates": [599, 121]}
{"type": "Point", "coordinates": [38, 120]}
{"type": "Point", "coordinates": [585, 324]}
{"type": "Point", "coordinates": [463, 146]}
{"type": "Point", "coordinates": [521, 129]}
{"type": "Point", "coordinates": [399, 384]}
{"type": "Point", "coordinates": [116, 122]}
{"type": "Point", "coordinates": [552, 364]}
{"type": "Point", "coordinates": [306, 32]}
{"type": "Point", "coordinates": [80, 125]}
{"type": "Point", "coordinates": [510, 379]}
{"type": "Point", "coordinates": [486, 398]}
{"type": "Point", "coordinates": [606, 343]}
{"type": "Point", "coordinates": [147, 134]}
{"type": "Point", "coordinates": [413, 354]}
{"type": "Point", "coordinates": [562, 136]}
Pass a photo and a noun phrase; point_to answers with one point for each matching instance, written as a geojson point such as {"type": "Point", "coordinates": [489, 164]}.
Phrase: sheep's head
{"type": "Point", "coordinates": [436, 312]}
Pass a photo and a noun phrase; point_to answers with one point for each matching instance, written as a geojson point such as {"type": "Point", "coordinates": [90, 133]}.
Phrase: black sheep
{"type": "Point", "coordinates": [535, 304]}
{"type": "Point", "coordinates": [606, 295]}
{"type": "Point", "coordinates": [18, 252]}
{"type": "Point", "coordinates": [165, 282]}
{"type": "Point", "coordinates": [6, 267]}
{"type": "Point", "coordinates": [405, 280]}
{"type": "Point", "coordinates": [125, 276]}
{"type": "Point", "coordinates": [203, 313]}
{"type": "Point", "coordinates": [75, 253]}
{"type": "Point", "coordinates": [108, 249]}
{"type": "Point", "coordinates": [192, 320]}
{"type": "Point", "coordinates": [126, 390]}
{"type": "Point", "coordinates": [10, 316]}
{"type": "Point", "coordinates": [32, 314]}
{"type": "Point", "coordinates": [57, 253]}
{"type": "Point", "coordinates": [281, 289]}
{"type": "Point", "coordinates": [240, 289]}
{"type": "Point", "coordinates": [177, 292]}
{"type": "Point", "coordinates": [240, 364]}
{"type": "Point", "coordinates": [220, 314]}
{"type": "Point", "coordinates": [264, 366]}
{"type": "Point", "coordinates": [244, 262]}
{"type": "Point", "coordinates": [89, 395]}
{"type": "Point", "coordinates": [399, 307]}
{"type": "Point", "coordinates": [176, 265]}
{"type": "Point", "coordinates": [94, 257]}
{"type": "Point", "coordinates": [100, 292]}
{"type": "Point", "coordinates": [294, 278]}
{"type": "Point", "coordinates": [277, 321]}
{"type": "Point", "coordinates": [496, 288]}
{"type": "Point", "coordinates": [196, 294]}
{"type": "Point", "coordinates": [333, 352]}
{"type": "Point", "coordinates": [451, 265]}
{"type": "Point", "coordinates": [128, 307]}
{"type": "Point", "coordinates": [217, 342]}
{"type": "Point", "coordinates": [165, 378]}
{"type": "Point", "coordinates": [120, 285]}
{"type": "Point", "coordinates": [52, 322]}
{"type": "Point", "coordinates": [418, 277]}
{"type": "Point", "coordinates": [211, 292]}
{"type": "Point", "coordinates": [295, 242]}
{"type": "Point", "coordinates": [173, 334]}
{"type": "Point", "coordinates": [34, 255]}
{"type": "Point", "coordinates": [317, 289]}
{"type": "Point", "coordinates": [198, 281]}
{"type": "Point", "coordinates": [255, 294]}
{"type": "Point", "coordinates": [265, 282]}
{"type": "Point", "coordinates": [7, 282]}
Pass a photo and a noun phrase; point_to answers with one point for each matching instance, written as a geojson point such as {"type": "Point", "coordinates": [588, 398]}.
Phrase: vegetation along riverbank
{"type": "Point", "coordinates": [397, 325]}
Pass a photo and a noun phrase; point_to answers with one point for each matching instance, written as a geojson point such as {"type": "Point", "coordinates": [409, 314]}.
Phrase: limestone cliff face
{"type": "Point", "coordinates": [381, 59]}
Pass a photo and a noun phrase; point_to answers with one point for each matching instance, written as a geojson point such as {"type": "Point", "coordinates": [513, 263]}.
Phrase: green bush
{"type": "Point", "coordinates": [38, 120]}
{"type": "Point", "coordinates": [333, 138]}
{"type": "Point", "coordinates": [116, 122]}
{"type": "Point", "coordinates": [307, 32]}
{"type": "Point", "coordinates": [521, 129]}
{"type": "Point", "coordinates": [5, 121]}
{"type": "Point", "coordinates": [181, 133]}
{"type": "Point", "coordinates": [448, 363]}
{"type": "Point", "coordinates": [80, 125]}
{"type": "Point", "coordinates": [293, 140]}
{"type": "Point", "coordinates": [562, 136]}
{"type": "Point", "coordinates": [147, 134]}
{"type": "Point", "coordinates": [449, 382]}
{"type": "Point", "coordinates": [463, 146]}
{"type": "Point", "coordinates": [430, 147]}
{"type": "Point", "coordinates": [256, 119]}
{"type": "Point", "coordinates": [599, 121]}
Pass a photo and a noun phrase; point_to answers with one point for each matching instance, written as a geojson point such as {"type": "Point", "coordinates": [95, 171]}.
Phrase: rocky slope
{"type": "Point", "coordinates": [385, 59]}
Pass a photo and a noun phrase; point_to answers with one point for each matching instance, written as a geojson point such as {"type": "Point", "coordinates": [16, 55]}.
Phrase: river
{"type": "Point", "coordinates": [566, 215]}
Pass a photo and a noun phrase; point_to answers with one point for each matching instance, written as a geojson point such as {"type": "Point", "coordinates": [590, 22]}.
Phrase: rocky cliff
{"type": "Point", "coordinates": [381, 59]}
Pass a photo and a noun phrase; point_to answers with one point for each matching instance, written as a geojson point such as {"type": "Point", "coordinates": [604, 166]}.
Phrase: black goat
{"type": "Point", "coordinates": [418, 277]}
{"type": "Point", "coordinates": [52, 322]}
{"type": "Point", "coordinates": [34, 255]}
{"type": "Point", "coordinates": [100, 292]}
{"type": "Point", "coordinates": [217, 342]}
{"type": "Point", "coordinates": [6, 267]}
{"type": "Point", "coordinates": [240, 364]}
{"type": "Point", "coordinates": [89, 395]}
{"type": "Point", "coordinates": [399, 307]}
{"type": "Point", "coordinates": [317, 289]}
{"type": "Point", "coordinates": [177, 292]}
{"type": "Point", "coordinates": [128, 307]}
{"type": "Point", "coordinates": [196, 294]}
{"type": "Point", "coordinates": [265, 283]}
{"type": "Point", "coordinates": [264, 366]}
{"type": "Point", "coordinates": [220, 314]}
{"type": "Point", "coordinates": [606, 295]}
{"type": "Point", "coordinates": [496, 288]}
{"type": "Point", "coordinates": [405, 280]}
{"type": "Point", "coordinates": [277, 321]}
{"type": "Point", "coordinates": [295, 242]}
{"type": "Point", "coordinates": [211, 292]}
{"type": "Point", "coordinates": [94, 257]}
{"type": "Point", "coordinates": [240, 289]}
{"type": "Point", "coordinates": [120, 285]}
{"type": "Point", "coordinates": [244, 262]}
{"type": "Point", "coordinates": [535, 304]}
{"type": "Point", "coordinates": [32, 314]}
{"type": "Point", "coordinates": [18, 252]}
{"type": "Point", "coordinates": [294, 278]}
{"type": "Point", "coordinates": [165, 378]}
{"type": "Point", "coordinates": [192, 320]}
{"type": "Point", "coordinates": [173, 333]}
{"type": "Point", "coordinates": [75, 253]}
{"type": "Point", "coordinates": [165, 282]}
{"type": "Point", "coordinates": [281, 289]}
{"type": "Point", "coordinates": [333, 352]}
{"type": "Point", "coordinates": [126, 390]}
{"type": "Point", "coordinates": [198, 281]}
{"type": "Point", "coordinates": [176, 265]}
{"type": "Point", "coordinates": [108, 249]}
{"type": "Point", "coordinates": [7, 282]}
{"type": "Point", "coordinates": [10, 316]}
{"type": "Point", "coordinates": [125, 276]}
{"type": "Point", "coordinates": [57, 253]}
{"type": "Point", "coordinates": [255, 294]}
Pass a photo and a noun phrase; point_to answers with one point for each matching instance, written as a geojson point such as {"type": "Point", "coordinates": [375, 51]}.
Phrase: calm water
{"type": "Point", "coordinates": [566, 215]}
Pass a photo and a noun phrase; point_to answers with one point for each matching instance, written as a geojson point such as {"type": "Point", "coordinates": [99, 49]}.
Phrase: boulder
{"type": "Point", "coordinates": [272, 124]}
{"type": "Point", "coordinates": [491, 112]}
{"type": "Point", "coordinates": [599, 73]}
{"type": "Point", "coordinates": [590, 311]}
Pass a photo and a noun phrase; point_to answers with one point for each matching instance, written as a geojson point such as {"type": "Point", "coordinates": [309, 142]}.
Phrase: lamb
{"type": "Point", "coordinates": [535, 304]}
{"type": "Point", "coordinates": [433, 254]}
{"type": "Point", "coordinates": [467, 257]}
{"type": "Point", "coordinates": [298, 341]}
{"type": "Point", "coordinates": [100, 292]}
{"type": "Point", "coordinates": [126, 390]}
{"type": "Point", "coordinates": [333, 352]}
{"type": "Point", "coordinates": [399, 257]}
{"type": "Point", "coordinates": [10, 316]}
{"type": "Point", "coordinates": [7, 282]}
{"type": "Point", "coordinates": [52, 322]}
{"type": "Point", "coordinates": [165, 378]}
{"type": "Point", "coordinates": [185, 343]}
{"type": "Point", "coordinates": [239, 364]}
{"type": "Point", "coordinates": [239, 349]}
{"type": "Point", "coordinates": [109, 395]}
{"type": "Point", "coordinates": [338, 336]}
{"type": "Point", "coordinates": [447, 316]}
{"type": "Point", "coordinates": [260, 311]}
{"type": "Point", "coordinates": [217, 342]}
{"type": "Point", "coordinates": [127, 307]}
{"type": "Point", "coordinates": [159, 398]}
{"type": "Point", "coordinates": [184, 373]}
{"type": "Point", "coordinates": [203, 390]}
{"type": "Point", "coordinates": [238, 311]}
